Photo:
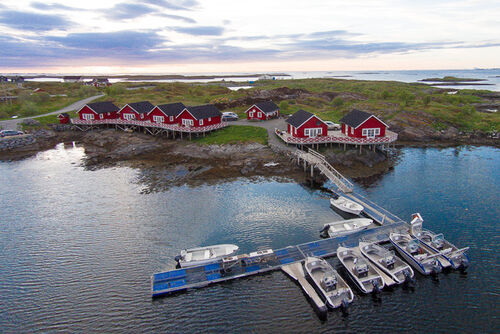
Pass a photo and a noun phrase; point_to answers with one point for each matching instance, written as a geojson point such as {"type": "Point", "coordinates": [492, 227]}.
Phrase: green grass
{"type": "Point", "coordinates": [235, 134]}
{"type": "Point", "coordinates": [44, 122]}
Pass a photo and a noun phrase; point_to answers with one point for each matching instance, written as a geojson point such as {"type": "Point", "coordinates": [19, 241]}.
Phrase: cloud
{"type": "Point", "coordinates": [200, 30]}
{"type": "Point", "coordinates": [52, 6]}
{"type": "Point", "coordinates": [32, 21]}
{"type": "Point", "coordinates": [127, 42]}
{"type": "Point", "coordinates": [124, 11]}
{"type": "Point", "coordinates": [177, 17]}
{"type": "Point", "coordinates": [175, 5]}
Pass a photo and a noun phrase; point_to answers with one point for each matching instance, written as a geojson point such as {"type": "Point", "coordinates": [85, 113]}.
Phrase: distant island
{"type": "Point", "coordinates": [454, 81]}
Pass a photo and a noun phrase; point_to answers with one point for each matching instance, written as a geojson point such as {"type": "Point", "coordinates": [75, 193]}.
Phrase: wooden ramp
{"type": "Point", "coordinates": [317, 160]}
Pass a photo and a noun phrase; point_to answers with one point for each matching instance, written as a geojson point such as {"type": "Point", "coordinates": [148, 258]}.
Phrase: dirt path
{"type": "Point", "coordinates": [12, 124]}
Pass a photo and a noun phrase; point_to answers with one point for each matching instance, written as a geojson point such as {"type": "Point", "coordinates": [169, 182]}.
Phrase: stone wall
{"type": "Point", "coordinates": [9, 143]}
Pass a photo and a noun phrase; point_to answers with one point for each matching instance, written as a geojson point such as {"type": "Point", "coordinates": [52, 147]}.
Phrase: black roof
{"type": "Point", "coordinates": [299, 118]}
{"type": "Point", "coordinates": [65, 114]}
{"type": "Point", "coordinates": [103, 107]}
{"type": "Point", "coordinates": [267, 106]}
{"type": "Point", "coordinates": [355, 118]}
{"type": "Point", "coordinates": [142, 107]}
{"type": "Point", "coordinates": [204, 111]}
{"type": "Point", "coordinates": [172, 109]}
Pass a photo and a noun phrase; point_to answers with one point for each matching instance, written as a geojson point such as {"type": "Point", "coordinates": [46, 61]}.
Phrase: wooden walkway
{"type": "Point", "coordinates": [316, 160]}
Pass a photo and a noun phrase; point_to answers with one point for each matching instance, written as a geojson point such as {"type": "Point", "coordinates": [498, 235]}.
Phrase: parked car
{"type": "Point", "coordinates": [6, 133]}
{"type": "Point", "coordinates": [332, 126]}
{"type": "Point", "coordinates": [229, 116]}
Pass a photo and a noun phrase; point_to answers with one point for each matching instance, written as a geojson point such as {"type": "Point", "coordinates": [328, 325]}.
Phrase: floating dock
{"type": "Point", "coordinates": [245, 265]}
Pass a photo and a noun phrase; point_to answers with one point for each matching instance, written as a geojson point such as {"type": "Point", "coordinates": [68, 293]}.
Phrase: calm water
{"type": "Point", "coordinates": [78, 248]}
{"type": "Point", "coordinates": [490, 76]}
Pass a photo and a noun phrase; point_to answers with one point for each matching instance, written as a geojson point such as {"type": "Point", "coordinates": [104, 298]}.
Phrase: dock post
{"type": "Point", "coordinates": [312, 170]}
{"type": "Point", "coordinates": [305, 165]}
{"type": "Point", "coordinates": [344, 146]}
{"type": "Point", "coordinates": [360, 146]}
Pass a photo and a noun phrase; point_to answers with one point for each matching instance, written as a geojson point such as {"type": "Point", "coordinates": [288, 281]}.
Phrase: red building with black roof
{"type": "Point", "coordinates": [360, 124]}
{"type": "Point", "coordinates": [263, 111]}
{"type": "Point", "coordinates": [136, 111]}
{"type": "Point", "coordinates": [98, 111]}
{"type": "Point", "coordinates": [304, 124]}
{"type": "Point", "coordinates": [166, 113]}
{"type": "Point", "coordinates": [198, 116]}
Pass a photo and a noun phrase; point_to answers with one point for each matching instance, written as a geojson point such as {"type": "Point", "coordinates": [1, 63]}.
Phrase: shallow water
{"type": "Point", "coordinates": [78, 248]}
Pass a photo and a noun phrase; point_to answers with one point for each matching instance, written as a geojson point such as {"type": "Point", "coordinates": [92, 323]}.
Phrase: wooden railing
{"type": "Point", "coordinates": [340, 139]}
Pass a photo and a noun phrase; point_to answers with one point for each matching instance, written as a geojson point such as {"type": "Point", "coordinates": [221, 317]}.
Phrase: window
{"type": "Point", "coordinates": [158, 119]}
{"type": "Point", "coordinates": [259, 114]}
{"type": "Point", "coordinates": [129, 117]}
{"type": "Point", "coordinates": [370, 133]}
{"type": "Point", "coordinates": [101, 116]}
{"type": "Point", "coordinates": [377, 131]}
{"type": "Point", "coordinates": [306, 132]}
{"type": "Point", "coordinates": [171, 118]}
{"type": "Point", "coordinates": [187, 122]}
{"type": "Point", "coordinates": [352, 131]}
{"type": "Point", "coordinates": [88, 117]}
{"type": "Point", "coordinates": [201, 122]}
{"type": "Point", "coordinates": [209, 119]}
{"type": "Point", "coordinates": [250, 114]}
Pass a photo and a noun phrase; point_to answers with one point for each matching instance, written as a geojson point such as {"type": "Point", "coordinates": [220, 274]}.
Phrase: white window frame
{"type": "Point", "coordinates": [352, 130]}
{"type": "Point", "coordinates": [200, 122]}
{"type": "Point", "coordinates": [88, 117]}
{"type": "Point", "coordinates": [250, 113]}
{"type": "Point", "coordinates": [101, 116]}
{"type": "Point", "coordinates": [171, 118]}
{"type": "Point", "coordinates": [158, 119]}
{"type": "Point", "coordinates": [259, 114]}
{"type": "Point", "coordinates": [187, 122]}
{"type": "Point", "coordinates": [210, 119]}
{"type": "Point", "coordinates": [129, 116]}
{"type": "Point", "coordinates": [370, 132]}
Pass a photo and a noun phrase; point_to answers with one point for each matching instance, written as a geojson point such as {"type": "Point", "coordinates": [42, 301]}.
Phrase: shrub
{"type": "Point", "coordinates": [29, 108]}
{"type": "Point", "coordinates": [427, 99]}
{"type": "Point", "coordinates": [116, 89]}
{"type": "Point", "coordinates": [85, 91]}
{"type": "Point", "coordinates": [338, 101]}
{"type": "Point", "coordinates": [284, 105]}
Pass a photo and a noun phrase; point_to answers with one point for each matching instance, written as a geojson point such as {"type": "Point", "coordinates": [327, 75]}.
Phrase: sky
{"type": "Point", "coordinates": [207, 36]}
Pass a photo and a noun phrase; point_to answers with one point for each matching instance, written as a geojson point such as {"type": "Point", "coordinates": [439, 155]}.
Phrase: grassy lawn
{"type": "Point", "coordinates": [235, 134]}
{"type": "Point", "coordinates": [44, 121]}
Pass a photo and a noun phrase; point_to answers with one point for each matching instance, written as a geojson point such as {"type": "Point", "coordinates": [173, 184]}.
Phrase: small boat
{"type": "Point", "coordinates": [203, 255]}
{"type": "Point", "coordinates": [387, 261]}
{"type": "Point", "coordinates": [344, 204]}
{"type": "Point", "coordinates": [361, 271]}
{"type": "Point", "coordinates": [416, 254]}
{"type": "Point", "coordinates": [451, 254]}
{"type": "Point", "coordinates": [328, 282]}
{"type": "Point", "coordinates": [348, 226]}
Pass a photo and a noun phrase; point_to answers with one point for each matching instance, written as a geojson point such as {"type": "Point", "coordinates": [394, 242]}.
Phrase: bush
{"type": "Point", "coordinates": [85, 91]}
{"type": "Point", "coordinates": [116, 89]}
{"type": "Point", "coordinates": [427, 99]}
{"type": "Point", "coordinates": [284, 105]}
{"type": "Point", "coordinates": [385, 95]}
{"type": "Point", "coordinates": [29, 108]}
{"type": "Point", "coordinates": [405, 97]}
{"type": "Point", "coordinates": [338, 101]}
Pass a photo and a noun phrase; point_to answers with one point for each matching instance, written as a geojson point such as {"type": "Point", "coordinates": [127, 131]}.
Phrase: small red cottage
{"type": "Point", "coordinates": [166, 113]}
{"type": "Point", "coordinates": [63, 118]}
{"type": "Point", "coordinates": [136, 111]}
{"type": "Point", "coordinates": [198, 116]}
{"type": "Point", "coordinates": [303, 124]}
{"type": "Point", "coordinates": [360, 124]}
{"type": "Point", "coordinates": [98, 111]}
{"type": "Point", "coordinates": [263, 111]}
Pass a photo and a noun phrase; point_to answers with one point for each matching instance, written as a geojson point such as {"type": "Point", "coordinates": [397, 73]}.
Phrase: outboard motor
{"type": "Point", "coordinates": [376, 288]}
{"type": "Point", "coordinates": [464, 263]}
{"type": "Point", "coordinates": [344, 305]}
{"type": "Point", "coordinates": [324, 231]}
{"type": "Point", "coordinates": [436, 267]}
{"type": "Point", "coordinates": [410, 281]}
{"type": "Point", "coordinates": [178, 258]}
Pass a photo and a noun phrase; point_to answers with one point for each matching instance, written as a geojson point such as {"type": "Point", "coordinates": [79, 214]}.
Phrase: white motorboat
{"type": "Point", "coordinates": [416, 254]}
{"type": "Point", "coordinates": [344, 204]}
{"type": "Point", "coordinates": [451, 254]}
{"type": "Point", "coordinates": [387, 261]}
{"type": "Point", "coordinates": [203, 255]}
{"type": "Point", "coordinates": [348, 226]}
{"type": "Point", "coordinates": [361, 271]}
{"type": "Point", "coordinates": [328, 282]}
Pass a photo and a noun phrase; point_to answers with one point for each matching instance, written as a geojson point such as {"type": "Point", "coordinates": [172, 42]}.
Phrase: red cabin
{"type": "Point", "coordinates": [63, 118]}
{"type": "Point", "coordinates": [263, 111]}
{"type": "Point", "coordinates": [166, 113]}
{"type": "Point", "coordinates": [360, 124]}
{"type": "Point", "coordinates": [198, 116]}
{"type": "Point", "coordinates": [136, 111]}
{"type": "Point", "coordinates": [98, 111]}
{"type": "Point", "coordinates": [303, 124]}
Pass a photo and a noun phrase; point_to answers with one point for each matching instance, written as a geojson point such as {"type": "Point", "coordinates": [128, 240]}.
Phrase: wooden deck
{"type": "Point", "coordinates": [337, 137]}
